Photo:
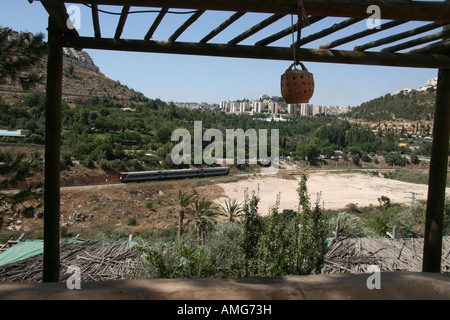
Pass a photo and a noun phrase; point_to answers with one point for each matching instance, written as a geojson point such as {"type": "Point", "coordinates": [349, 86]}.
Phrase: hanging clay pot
{"type": "Point", "coordinates": [297, 86]}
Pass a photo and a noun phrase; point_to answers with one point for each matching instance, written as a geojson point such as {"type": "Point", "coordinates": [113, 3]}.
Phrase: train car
{"type": "Point", "coordinates": [172, 174]}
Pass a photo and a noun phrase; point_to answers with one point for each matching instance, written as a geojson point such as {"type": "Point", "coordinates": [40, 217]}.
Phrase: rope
{"type": "Point", "coordinates": [302, 18]}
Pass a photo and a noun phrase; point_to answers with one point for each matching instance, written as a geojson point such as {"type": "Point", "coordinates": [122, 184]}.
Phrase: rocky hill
{"type": "Point", "coordinates": [82, 80]}
{"type": "Point", "coordinates": [406, 104]}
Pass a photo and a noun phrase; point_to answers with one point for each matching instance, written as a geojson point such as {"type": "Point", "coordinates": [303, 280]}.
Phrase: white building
{"type": "Point", "coordinates": [291, 108]}
{"type": "Point", "coordinates": [306, 109]}
{"type": "Point", "coordinates": [317, 110]}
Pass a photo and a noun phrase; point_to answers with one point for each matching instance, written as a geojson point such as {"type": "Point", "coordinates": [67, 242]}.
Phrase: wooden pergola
{"type": "Point", "coordinates": [411, 49]}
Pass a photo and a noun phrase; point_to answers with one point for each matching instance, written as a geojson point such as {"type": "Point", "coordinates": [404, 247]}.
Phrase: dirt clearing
{"type": "Point", "coordinates": [336, 190]}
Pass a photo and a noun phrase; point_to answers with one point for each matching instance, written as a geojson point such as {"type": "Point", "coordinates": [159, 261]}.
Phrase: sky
{"type": "Point", "coordinates": [182, 78]}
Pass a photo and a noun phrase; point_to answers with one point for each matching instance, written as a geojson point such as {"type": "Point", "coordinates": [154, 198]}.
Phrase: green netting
{"type": "Point", "coordinates": [24, 249]}
{"type": "Point", "coordinates": [28, 248]}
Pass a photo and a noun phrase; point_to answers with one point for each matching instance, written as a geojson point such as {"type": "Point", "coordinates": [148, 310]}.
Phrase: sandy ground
{"type": "Point", "coordinates": [336, 190]}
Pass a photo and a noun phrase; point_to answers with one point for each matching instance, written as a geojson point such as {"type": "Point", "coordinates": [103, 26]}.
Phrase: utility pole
{"type": "Point", "coordinates": [413, 199]}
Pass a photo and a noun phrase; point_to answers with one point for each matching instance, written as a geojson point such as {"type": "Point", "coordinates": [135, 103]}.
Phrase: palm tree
{"type": "Point", "coordinates": [182, 205]}
{"type": "Point", "coordinates": [203, 215]}
{"type": "Point", "coordinates": [231, 208]}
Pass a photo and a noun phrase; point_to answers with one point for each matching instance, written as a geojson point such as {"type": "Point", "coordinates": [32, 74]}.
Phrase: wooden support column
{"type": "Point", "coordinates": [52, 157]}
{"type": "Point", "coordinates": [432, 250]}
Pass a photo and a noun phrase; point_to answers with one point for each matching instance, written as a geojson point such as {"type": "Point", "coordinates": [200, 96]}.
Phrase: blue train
{"type": "Point", "coordinates": [172, 174]}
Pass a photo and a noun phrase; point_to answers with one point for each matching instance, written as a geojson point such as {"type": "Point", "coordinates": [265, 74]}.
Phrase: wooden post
{"type": "Point", "coordinates": [432, 250]}
{"type": "Point", "coordinates": [52, 157]}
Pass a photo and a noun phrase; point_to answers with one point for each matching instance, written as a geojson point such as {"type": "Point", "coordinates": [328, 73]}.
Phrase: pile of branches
{"type": "Point", "coordinates": [97, 262]}
{"type": "Point", "coordinates": [355, 255]}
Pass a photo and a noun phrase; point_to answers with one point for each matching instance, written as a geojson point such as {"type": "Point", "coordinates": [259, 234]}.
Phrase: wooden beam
{"type": "Point", "coordinates": [95, 21]}
{"type": "Point", "coordinates": [122, 20]}
{"type": "Point", "coordinates": [432, 251]}
{"type": "Point", "coordinates": [362, 34]}
{"type": "Point", "coordinates": [400, 36]}
{"type": "Point", "coordinates": [270, 53]}
{"type": "Point", "coordinates": [287, 31]}
{"type": "Point", "coordinates": [256, 28]}
{"type": "Point", "coordinates": [156, 23]}
{"type": "Point", "coordinates": [222, 26]}
{"type": "Point", "coordinates": [52, 156]}
{"type": "Point", "coordinates": [328, 31]}
{"type": "Point", "coordinates": [186, 25]}
{"type": "Point", "coordinates": [391, 9]}
{"type": "Point", "coordinates": [418, 41]}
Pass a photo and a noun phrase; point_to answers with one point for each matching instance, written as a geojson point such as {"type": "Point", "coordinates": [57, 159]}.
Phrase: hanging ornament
{"type": "Point", "coordinates": [297, 86]}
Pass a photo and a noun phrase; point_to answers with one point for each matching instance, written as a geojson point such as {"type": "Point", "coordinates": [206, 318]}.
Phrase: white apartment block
{"type": "Point", "coordinates": [269, 106]}
{"type": "Point", "coordinates": [306, 109]}
{"type": "Point", "coordinates": [291, 108]}
{"type": "Point", "coordinates": [317, 110]}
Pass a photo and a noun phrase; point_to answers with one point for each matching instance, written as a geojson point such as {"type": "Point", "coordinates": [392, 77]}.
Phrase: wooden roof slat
{"type": "Point", "coordinates": [391, 9]}
{"type": "Point", "coordinates": [156, 23]}
{"type": "Point", "coordinates": [359, 35]}
{"type": "Point", "coordinates": [418, 41]}
{"type": "Point", "coordinates": [328, 31]}
{"type": "Point", "coordinates": [222, 26]}
{"type": "Point", "coordinates": [186, 25]}
{"type": "Point", "coordinates": [289, 30]}
{"type": "Point", "coordinates": [438, 47]}
{"type": "Point", "coordinates": [256, 28]}
{"type": "Point", "coordinates": [122, 20]}
{"type": "Point", "coordinates": [95, 21]}
{"type": "Point", "coordinates": [400, 36]}
{"type": "Point", "coordinates": [342, 8]}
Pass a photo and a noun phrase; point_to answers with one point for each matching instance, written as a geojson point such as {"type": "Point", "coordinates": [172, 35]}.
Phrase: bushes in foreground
{"type": "Point", "coordinates": [288, 242]}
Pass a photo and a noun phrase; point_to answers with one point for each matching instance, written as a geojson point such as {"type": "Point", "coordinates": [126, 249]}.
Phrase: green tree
{"type": "Point", "coordinates": [231, 208]}
{"type": "Point", "coordinates": [253, 228]}
{"type": "Point", "coordinates": [14, 170]}
{"type": "Point", "coordinates": [313, 232]}
{"type": "Point", "coordinates": [164, 134]}
{"type": "Point", "coordinates": [18, 57]}
{"type": "Point", "coordinates": [202, 214]}
{"type": "Point", "coordinates": [182, 204]}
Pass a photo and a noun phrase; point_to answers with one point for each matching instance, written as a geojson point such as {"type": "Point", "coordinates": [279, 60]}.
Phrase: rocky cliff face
{"type": "Point", "coordinates": [81, 59]}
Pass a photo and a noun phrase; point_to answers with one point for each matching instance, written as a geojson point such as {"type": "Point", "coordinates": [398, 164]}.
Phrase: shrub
{"type": "Point", "coordinates": [350, 225]}
{"type": "Point", "coordinates": [222, 245]}
{"type": "Point", "coordinates": [173, 260]}
{"type": "Point", "coordinates": [131, 221]}
{"type": "Point", "coordinates": [404, 223]}
{"type": "Point", "coordinates": [88, 163]}
{"type": "Point", "coordinates": [148, 204]}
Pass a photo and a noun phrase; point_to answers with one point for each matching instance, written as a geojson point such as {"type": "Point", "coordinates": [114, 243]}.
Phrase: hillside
{"type": "Point", "coordinates": [409, 106]}
{"type": "Point", "coordinates": [80, 84]}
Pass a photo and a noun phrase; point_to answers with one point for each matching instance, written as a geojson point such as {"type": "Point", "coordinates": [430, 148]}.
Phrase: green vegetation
{"type": "Point", "coordinates": [397, 220]}
{"type": "Point", "coordinates": [15, 169]}
{"type": "Point", "coordinates": [101, 134]}
{"type": "Point", "coordinates": [290, 242]}
{"type": "Point", "coordinates": [412, 176]}
{"type": "Point", "coordinates": [414, 106]}
{"type": "Point", "coordinates": [19, 56]}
